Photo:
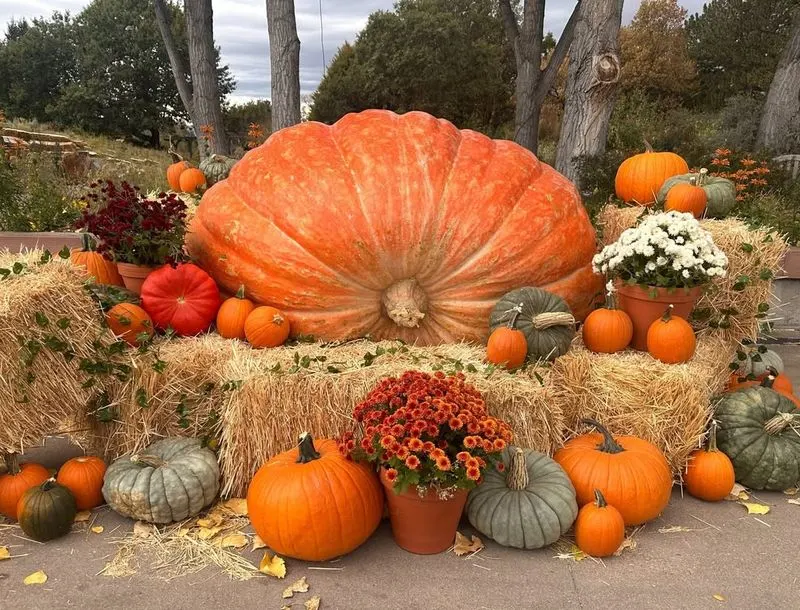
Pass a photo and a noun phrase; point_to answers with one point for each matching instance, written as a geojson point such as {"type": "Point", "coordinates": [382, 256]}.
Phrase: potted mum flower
{"type": "Point", "coordinates": [666, 259]}
{"type": "Point", "coordinates": [140, 233]}
{"type": "Point", "coordinates": [432, 438]}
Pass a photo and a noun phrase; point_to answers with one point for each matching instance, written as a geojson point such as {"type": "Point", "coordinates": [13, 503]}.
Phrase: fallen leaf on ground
{"type": "Point", "coordinates": [791, 501]}
{"type": "Point", "coordinates": [464, 545]}
{"type": "Point", "coordinates": [143, 530]}
{"type": "Point", "coordinates": [82, 516]}
{"type": "Point", "coordinates": [738, 493]}
{"type": "Point", "coordinates": [4, 553]}
{"type": "Point", "coordinates": [212, 519]}
{"type": "Point", "coordinates": [258, 543]}
{"type": "Point", "coordinates": [673, 528]}
{"type": "Point", "coordinates": [574, 553]}
{"type": "Point", "coordinates": [755, 509]}
{"type": "Point", "coordinates": [234, 541]}
{"type": "Point", "coordinates": [628, 543]}
{"type": "Point", "coordinates": [285, 607]}
{"type": "Point", "coordinates": [98, 529]}
{"type": "Point", "coordinates": [719, 597]}
{"type": "Point", "coordinates": [313, 603]}
{"type": "Point", "coordinates": [37, 578]}
{"type": "Point", "coordinates": [207, 533]}
{"type": "Point", "coordinates": [792, 491]}
{"type": "Point", "coordinates": [298, 586]}
{"type": "Point", "coordinates": [272, 566]}
{"type": "Point", "coordinates": [237, 506]}
{"type": "Point", "coordinates": [183, 531]}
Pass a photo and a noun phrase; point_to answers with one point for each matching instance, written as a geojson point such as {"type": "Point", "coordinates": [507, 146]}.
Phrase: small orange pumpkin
{"type": "Point", "coordinates": [599, 528]}
{"type": "Point", "coordinates": [607, 330]}
{"type": "Point", "coordinates": [83, 476]}
{"type": "Point", "coordinates": [687, 197]}
{"type": "Point", "coordinates": [191, 179]}
{"type": "Point", "coordinates": [96, 265]}
{"type": "Point", "coordinates": [18, 479]}
{"type": "Point", "coordinates": [174, 172]}
{"type": "Point", "coordinates": [128, 322]}
{"type": "Point", "coordinates": [671, 339]}
{"type": "Point", "coordinates": [232, 316]}
{"type": "Point", "coordinates": [507, 346]}
{"type": "Point", "coordinates": [709, 475]}
{"type": "Point", "coordinates": [640, 177]}
{"type": "Point", "coordinates": [266, 327]}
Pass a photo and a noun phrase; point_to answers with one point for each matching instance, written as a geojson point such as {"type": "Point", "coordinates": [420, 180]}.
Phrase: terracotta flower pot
{"type": "Point", "coordinates": [423, 525]}
{"type": "Point", "coordinates": [646, 304]}
{"type": "Point", "coordinates": [133, 276]}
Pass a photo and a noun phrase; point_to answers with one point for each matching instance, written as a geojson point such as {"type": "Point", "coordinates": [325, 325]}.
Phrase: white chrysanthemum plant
{"type": "Point", "coordinates": [667, 250]}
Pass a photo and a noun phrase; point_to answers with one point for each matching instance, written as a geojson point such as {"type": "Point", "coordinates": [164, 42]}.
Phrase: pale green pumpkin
{"type": "Point", "coordinates": [757, 361]}
{"type": "Point", "coordinates": [216, 168]}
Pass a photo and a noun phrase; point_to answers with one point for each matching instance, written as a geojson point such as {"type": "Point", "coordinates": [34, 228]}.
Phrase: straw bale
{"type": "Point", "coordinates": [754, 255]}
{"type": "Point", "coordinates": [631, 393]}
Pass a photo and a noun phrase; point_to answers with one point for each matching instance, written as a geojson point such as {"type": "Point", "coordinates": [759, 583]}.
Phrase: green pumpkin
{"type": "Point", "coordinates": [721, 192]}
{"type": "Point", "coordinates": [757, 361]}
{"type": "Point", "coordinates": [47, 511]}
{"type": "Point", "coordinates": [174, 479]}
{"type": "Point", "coordinates": [528, 506]}
{"type": "Point", "coordinates": [216, 168]}
{"type": "Point", "coordinates": [759, 429]}
{"type": "Point", "coordinates": [543, 317]}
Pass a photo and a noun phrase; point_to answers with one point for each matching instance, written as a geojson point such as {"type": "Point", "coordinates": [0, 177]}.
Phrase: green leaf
{"type": "Point", "coordinates": [30, 377]}
{"type": "Point", "coordinates": [88, 383]}
{"type": "Point", "coordinates": [63, 323]}
{"type": "Point", "coordinates": [746, 247]}
{"type": "Point", "coordinates": [46, 257]}
{"type": "Point", "coordinates": [159, 366]}
{"type": "Point", "coordinates": [18, 268]}
{"type": "Point", "coordinates": [4, 273]}
{"type": "Point", "coordinates": [766, 274]}
{"type": "Point", "coordinates": [41, 319]}
{"type": "Point", "coordinates": [333, 369]}
{"type": "Point", "coordinates": [124, 320]}
{"type": "Point", "coordinates": [763, 307]}
{"type": "Point", "coordinates": [141, 398]}
{"type": "Point", "coordinates": [64, 252]}
{"type": "Point", "coordinates": [471, 368]}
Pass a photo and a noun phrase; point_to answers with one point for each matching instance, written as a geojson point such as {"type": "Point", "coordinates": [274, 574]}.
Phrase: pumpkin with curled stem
{"type": "Point", "coordinates": [46, 511]}
{"type": "Point", "coordinates": [640, 177]}
{"type": "Point", "coordinates": [173, 479]}
{"type": "Point", "coordinates": [528, 506]}
{"type": "Point", "coordinates": [720, 192]}
{"type": "Point", "coordinates": [393, 226]}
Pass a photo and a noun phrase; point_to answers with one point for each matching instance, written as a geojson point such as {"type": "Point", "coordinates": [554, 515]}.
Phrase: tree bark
{"type": "Point", "coordinates": [533, 83]}
{"type": "Point", "coordinates": [203, 63]}
{"type": "Point", "coordinates": [175, 60]}
{"type": "Point", "coordinates": [783, 100]}
{"type": "Point", "coordinates": [284, 59]}
{"type": "Point", "coordinates": [594, 70]}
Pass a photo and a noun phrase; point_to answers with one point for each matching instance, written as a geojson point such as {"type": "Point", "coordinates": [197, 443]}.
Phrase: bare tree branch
{"type": "Point", "coordinates": [511, 26]}
{"type": "Point", "coordinates": [559, 55]}
{"type": "Point", "coordinates": [175, 60]}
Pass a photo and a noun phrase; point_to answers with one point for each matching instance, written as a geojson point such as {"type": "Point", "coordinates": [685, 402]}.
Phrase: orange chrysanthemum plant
{"type": "Point", "coordinates": [427, 431]}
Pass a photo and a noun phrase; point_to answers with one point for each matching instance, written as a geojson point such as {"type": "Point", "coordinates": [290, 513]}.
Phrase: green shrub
{"type": "Point", "coordinates": [778, 210]}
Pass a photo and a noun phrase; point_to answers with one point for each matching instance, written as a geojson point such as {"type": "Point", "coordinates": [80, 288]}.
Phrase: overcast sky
{"type": "Point", "coordinates": [240, 30]}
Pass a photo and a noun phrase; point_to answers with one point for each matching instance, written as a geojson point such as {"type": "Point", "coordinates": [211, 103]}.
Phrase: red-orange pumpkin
{"type": "Point", "coordinates": [266, 327]}
{"type": "Point", "coordinates": [686, 197]}
{"type": "Point", "coordinates": [183, 298]}
{"type": "Point", "coordinates": [233, 314]}
{"type": "Point", "coordinates": [191, 179]}
{"type": "Point", "coordinates": [129, 322]}
{"type": "Point", "coordinates": [95, 264]}
{"type": "Point", "coordinates": [640, 177]}
{"type": "Point", "coordinates": [83, 476]}
{"type": "Point", "coordinates": [18, 479]}
{"type": "Point", "coordinates": [174, 172]}
{"type": "Point", "coordinates": [394, 226]}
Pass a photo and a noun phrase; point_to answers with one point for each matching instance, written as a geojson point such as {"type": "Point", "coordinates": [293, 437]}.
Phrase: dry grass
{"type": "Point", "coordinates": [750, 254]}
{"type": "Point", "coordinates": [633, 394]}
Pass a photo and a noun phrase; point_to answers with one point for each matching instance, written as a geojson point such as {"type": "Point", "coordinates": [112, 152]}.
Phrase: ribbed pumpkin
{"type": "Point", "coordinates": [83, 476]}
{"type": "Point", "coordinates": [720, 192]}
{"type": "Point", "coordinates": [216, 168]}
{"type": "Point", "coordinates": [191, 180]}
{"type": "Point", "coordinates": [173, 479]}
{"type": "Point", "coordinates": [96, 266]}
{"type": "Point", "coordinates": [607, 330]}
{"type": "Point", "coordinates": [432, 226]}
{"type": "Point", "coordinates": [671, 339]}
{"type": "Point", "coordinates": [266, 327]}
{"type": "Point", "coordinates": [183, 298]}
{"type": "Point", "coordinates": [758, 431]}
{"type": "Point", "coordinates": [174, 172]}
{"type": "Point", "coordinates": [507, 346]}
{"type": "Point", "coordinates": [709, 475]}
{"type": "Point", "coordinates": [46, 511]}
{"type": "Point", "coordinates": [632, 473]}
{"type": "Point", "coordinates": [640, 177]}
{"type": "Point", "coordinates": [757, 360]}
{"type": "Point", "coordinates": [544, 318]}
{"type": "Point", "coordinates": [232, 315]}
{"type": "Point", "coordinates": [16, 481]}
{"type": "Point", "coordinates": [129, 322]}
{"type": "Point", "coordinates": [312, 503]}
{"type": "Point", "coordinates": [599, 528]}
{"type": "Point", "coordinates": [686, 197]}
{"type": "Point", "coordinates": [528, 506]}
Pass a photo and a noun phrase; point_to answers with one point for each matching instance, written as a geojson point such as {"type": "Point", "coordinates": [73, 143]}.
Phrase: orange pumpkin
{"type": "Point", "coordinates": [781, 382]}
{"type": "Point", "coordinates": [433, 225]}
{"type": "Point", "coordinates": [174, 172]}
{"type": "Point", "coordinates": [312, 503]}
{"type": "Point", "coordinates": [128, 322]}
{"type": "Point", "coordinates": [607, 330]}
{"type": "Point", "coordinates": [632, 473]}
{"type": "Point", "coordinates": [640, 177]}
{"type": "Point", "coordinates": [191, 179]}
{"type": "Point", "coordinates": [709, 475]}
{"type": "Point", "coordinates": [671, 339]}
{"type": "Point", "coordinates": [507, 346]}
{"type": "Point", "coordinates": [686, 197]}
{"type": "Point", "coordinates": [83, 476]}
{"type": "Point", "coordinates": [232, 316]}
{"type": "Point", "coordinates": [266, 327]}
{"type": "Point", "coordinates": [95, 264]}
{"type": "Point", "coordinates": [599, 528]}
{"type": "Point", "coordinates": [18, 479]}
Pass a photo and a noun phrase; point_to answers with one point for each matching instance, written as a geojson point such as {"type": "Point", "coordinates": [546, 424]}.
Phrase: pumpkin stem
{"type": "Point", "coordinates": [517, 477]}
{"type": "Point", "coordinates": [599, 499]}
{"type": "Point", "coordinates": [668, 313]}
{"type": "Point", "coordinates": [240, 292]}
{"type": "Point", "coordinates": [712, 437]}
{"type": "Point", "coordinates": [693, 181]}
{"type": "Point", "coordinates": [609, 445]}
{"type": "Point", "coordinates": [553, 318]}
{"type": "Point", "coordinates": [779, 423]}
{"type": "Point", "coordinates": [307, 451]}
{"type": "Point", "coordinates": [647, 146]}
{"type": "Point", "coordinates": [49, 484]}
{"type": "Point", "coordinates": [701, 178]}
{"type": "Point", "coordinates": [405, 303]}
{"type": "Point", "coordinates": [769, 381]}
{"type": "Point", "coordinates": [515, 314]}
{"type": "Point", "coordinates": [87, 243]}
{"type": "Point", "coordinates": [148, 460]}
{"type": "Point", "coordinates": [12, 463]}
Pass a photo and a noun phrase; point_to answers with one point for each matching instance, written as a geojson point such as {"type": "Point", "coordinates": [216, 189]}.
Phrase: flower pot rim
{"type": "Point", "coordinates": [413, 490]}
{"type": "Point", "coordinates": [623, 285]}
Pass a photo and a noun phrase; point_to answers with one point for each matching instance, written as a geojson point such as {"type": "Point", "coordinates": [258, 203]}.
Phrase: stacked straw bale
{"type": "Point", "coordinates": [750, 254]}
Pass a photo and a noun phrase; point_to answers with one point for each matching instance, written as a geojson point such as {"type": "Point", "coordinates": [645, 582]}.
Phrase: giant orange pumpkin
{"type": "Point", "coordinates": [640, 177]}
{"type": "Point", "coordinates": [393, 226]}
{"type": "Point", "coordinates": [19, 479]}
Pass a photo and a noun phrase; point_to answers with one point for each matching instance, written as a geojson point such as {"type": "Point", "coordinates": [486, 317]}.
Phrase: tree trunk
{"type": "Point", "coordinates": [175, 60]}
{"type": "Point", "coordinates": [594, 69]}
{"type": "Point", "coordinates": [284, 60]}
{"type": "Point", "coordinates": [203, 64]}
{"type": "Point", "coordinates": [783, 99]}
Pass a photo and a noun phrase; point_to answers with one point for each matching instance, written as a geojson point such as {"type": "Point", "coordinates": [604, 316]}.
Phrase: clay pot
{"type": "Point", "coordinates": [646, 304]}
{"type": "Point", "coordinates": [423, 525]}
{"type": "Point", "coordinates": [133, 276]}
